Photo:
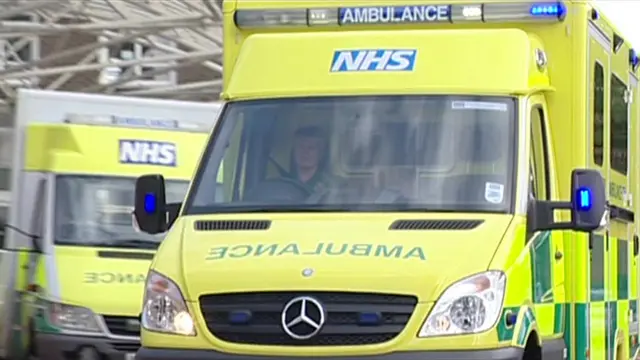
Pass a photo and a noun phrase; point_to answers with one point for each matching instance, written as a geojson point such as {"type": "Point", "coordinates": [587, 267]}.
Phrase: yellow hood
{"type": "Point", "coordinates": [347, 252]}
{"type": "Point", "coordinates": [108, 281]}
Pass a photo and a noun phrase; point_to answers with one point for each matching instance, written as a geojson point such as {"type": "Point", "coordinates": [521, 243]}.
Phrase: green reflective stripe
{"type": "Point", "coordinates": [42, 324]}
{"type": "Point", "coordinates": [568, 329]}
{"type": "Point", "coordinates": [527, 322]}
{"type": "Point", "coordinates": [558, 318]}
{"type": "Point", "coordinates": [597, 267]}
{"type": "Point", "coordinates": [581, 314]}
{"type": "Point", "coordinates": [541, 268]}
{"type": "Point", "coordinates": [505, 332]}
{"type": "Point", "coordinates": [623, 269]}
{"type": "Point", "coordinates": [611, 322]}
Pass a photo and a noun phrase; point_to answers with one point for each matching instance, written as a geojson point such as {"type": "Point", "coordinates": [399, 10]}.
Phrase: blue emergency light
{"type": "Point", "coordinates": [634, 61]}
{"type": "Point", "coordinates": [369, 318]}
{"type": "Point", "coordinates": [150, 203]}
{"type": "Point", "coordinates": [239, 317]}
{"type": "Point", "coordinates": [540, 11]}
{"type": "Point", "coordinates": [584, 199]}
{"type": "Point", "coordinates": [547, 10]}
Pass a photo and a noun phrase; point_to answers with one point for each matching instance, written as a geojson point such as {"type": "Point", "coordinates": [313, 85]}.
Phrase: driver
{"type": "Point", "coordinates": [309, 158]}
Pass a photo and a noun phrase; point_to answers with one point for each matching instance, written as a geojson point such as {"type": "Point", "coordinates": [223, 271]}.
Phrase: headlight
{"type": "Point", "coordinates": [471, 305]}
{"type": "Point", "coordinates": [164, 308]}
{"type": "Point", "coordinates": [73, 318]}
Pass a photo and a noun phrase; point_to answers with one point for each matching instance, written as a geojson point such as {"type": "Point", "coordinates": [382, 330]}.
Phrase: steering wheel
{"type": "Point", "coordinates": [279, 190]}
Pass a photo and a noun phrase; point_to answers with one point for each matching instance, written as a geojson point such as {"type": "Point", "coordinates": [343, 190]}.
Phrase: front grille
{"type": "Point", "coordinates": [350, 318]}
{"type": "Point", "coordinates": [122, 325]}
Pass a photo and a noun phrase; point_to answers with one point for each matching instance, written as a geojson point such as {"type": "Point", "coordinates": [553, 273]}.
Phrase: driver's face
{"type": "Point", "coordinates": [307, 151]}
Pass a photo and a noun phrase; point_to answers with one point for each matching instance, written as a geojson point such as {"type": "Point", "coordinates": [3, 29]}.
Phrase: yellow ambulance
{"type": "Point", "coordinates": [72, 266]}
{"type": "Point", "coordinates": [407, 180]}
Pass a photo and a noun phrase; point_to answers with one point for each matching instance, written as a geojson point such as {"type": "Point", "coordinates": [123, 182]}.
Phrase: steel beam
{"type": "Point", "coordinates": [193, 25]}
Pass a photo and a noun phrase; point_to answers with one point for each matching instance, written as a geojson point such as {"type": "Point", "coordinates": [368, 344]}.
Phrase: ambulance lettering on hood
{"type": "Point", "coordinates": [148, 152]}
{"type": "Point", "coordinates": [320, 249]}
{"type": "Point", "coordinates": [373, 60]}
{"type": "Point", "coordinates": [113, 278]}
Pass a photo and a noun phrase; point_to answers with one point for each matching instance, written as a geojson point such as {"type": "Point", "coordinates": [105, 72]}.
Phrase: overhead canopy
{"type": "Point", "coordinates": [52, 45]}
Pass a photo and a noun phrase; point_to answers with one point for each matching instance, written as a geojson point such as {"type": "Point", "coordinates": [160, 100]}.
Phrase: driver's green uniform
{"type": "Point", "coordinates": [320, 181]}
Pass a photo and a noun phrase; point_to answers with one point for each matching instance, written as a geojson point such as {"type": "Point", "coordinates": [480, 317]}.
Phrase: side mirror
{"type": "Point", "coordinates": [588, 205]}
{"type": "Point", "coordinates": [588, 199]}
{"type": "Point", "coordinates": [150, 209]}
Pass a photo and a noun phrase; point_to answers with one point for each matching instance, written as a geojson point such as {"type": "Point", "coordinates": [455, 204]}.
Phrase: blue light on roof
{"type": "Point", "coordinates": [150, 203]}
{"type": "Point", "coordinates": [556, 10]}
{"type": "Point", "coordinates": [584, 199]}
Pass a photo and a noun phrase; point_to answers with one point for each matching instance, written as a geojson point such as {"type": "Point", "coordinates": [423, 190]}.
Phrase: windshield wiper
{"type": "Point", "coordinates": [116, 243]}
{"type": "Point", "coordinates": [135, 243]}
{"type": "Point", "coordinates": [280, 209]}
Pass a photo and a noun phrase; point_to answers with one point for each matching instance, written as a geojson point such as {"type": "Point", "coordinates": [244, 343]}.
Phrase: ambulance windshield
{"type": "Point", "coordinates": [96, 211]}
{"type": "Point", "coordinates": [364, 153]}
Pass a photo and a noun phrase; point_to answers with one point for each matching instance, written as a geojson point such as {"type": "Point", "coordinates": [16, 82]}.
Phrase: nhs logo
{"type": "Point", "coordinates": [148, 152]}
{"type": "Point", "coordinates": [373, 60]}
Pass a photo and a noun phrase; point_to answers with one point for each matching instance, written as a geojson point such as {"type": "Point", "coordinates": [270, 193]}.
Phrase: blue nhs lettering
{"type": "Point", "coordinates": [373, 60]}
{"type": "Point", "coordinates": [394, 14]}
{"type": "Point", "coordinates": [147, 152]}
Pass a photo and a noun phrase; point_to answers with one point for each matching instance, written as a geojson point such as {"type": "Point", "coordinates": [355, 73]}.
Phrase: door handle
{"type": "Point", "coordinates": [558, 255]}
{"type": "Point", "coordinates": [635, 245]}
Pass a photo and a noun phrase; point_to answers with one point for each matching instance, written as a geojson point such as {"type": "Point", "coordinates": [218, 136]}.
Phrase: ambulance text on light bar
{"type": "Point", "coordinates": [549, 11]}
{"type": "Point", "coordinates": [394, 14]}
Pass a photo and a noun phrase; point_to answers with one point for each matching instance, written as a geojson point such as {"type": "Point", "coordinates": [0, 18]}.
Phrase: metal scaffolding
{"type": "Point", "coordinates": [157, 48]}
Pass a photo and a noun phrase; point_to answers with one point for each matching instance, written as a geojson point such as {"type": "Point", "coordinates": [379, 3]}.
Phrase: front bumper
{"type": "Point", "coordinates": [178, 354]}
{"type": "Point", "coordinates": [65, 347]}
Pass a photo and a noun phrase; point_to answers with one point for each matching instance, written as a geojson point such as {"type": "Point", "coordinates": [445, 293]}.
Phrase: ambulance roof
{"type": "Point", "coordinates": [40, 106]}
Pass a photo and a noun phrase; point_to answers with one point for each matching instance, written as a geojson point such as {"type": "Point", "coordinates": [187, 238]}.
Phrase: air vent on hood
{"type": "Point", "coordinates": [125, 255]}
{"type": "Point", "coordinates": [227, 225]}
{"type": "Point", "coordinates": [435, 224]}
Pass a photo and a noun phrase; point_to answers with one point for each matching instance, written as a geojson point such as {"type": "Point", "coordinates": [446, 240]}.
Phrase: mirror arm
{"type": "Point", "coordinates": [541, 216]}
{"type": "Point", "coordinates": [172, 211]}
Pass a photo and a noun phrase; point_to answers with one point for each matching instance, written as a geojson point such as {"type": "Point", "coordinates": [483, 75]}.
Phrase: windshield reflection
{"type": "Point", "coordinates": [96, 211]}
{"type": "Point", "coordinates": [374, 153]}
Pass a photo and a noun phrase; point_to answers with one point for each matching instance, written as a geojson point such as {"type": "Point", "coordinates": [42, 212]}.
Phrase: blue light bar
{"type": "Point", "coordinates": [150, 203]}
{"type": "Point", "coordinates": [556, 10]}
{"type": "Point", "coordinates": [550, 11]}
{"type": "Point", "coordinates": [584, 199]}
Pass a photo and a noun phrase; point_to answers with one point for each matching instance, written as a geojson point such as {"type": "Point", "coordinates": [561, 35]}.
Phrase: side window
{"type": "Point", "coordinates": [229, 171]}
{"type": "Point", "coordinates": [619, 126]}
{"type": "Point", "coordinates": [598, 114]}
{"type": "Point", "coordinates": [539, 154]}
{"type": "Point", "coordinates": [532, 181]}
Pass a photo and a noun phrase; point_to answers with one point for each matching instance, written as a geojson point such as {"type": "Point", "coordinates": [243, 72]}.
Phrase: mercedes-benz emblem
{"type": "Point", "coordinates": [302, 318]}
